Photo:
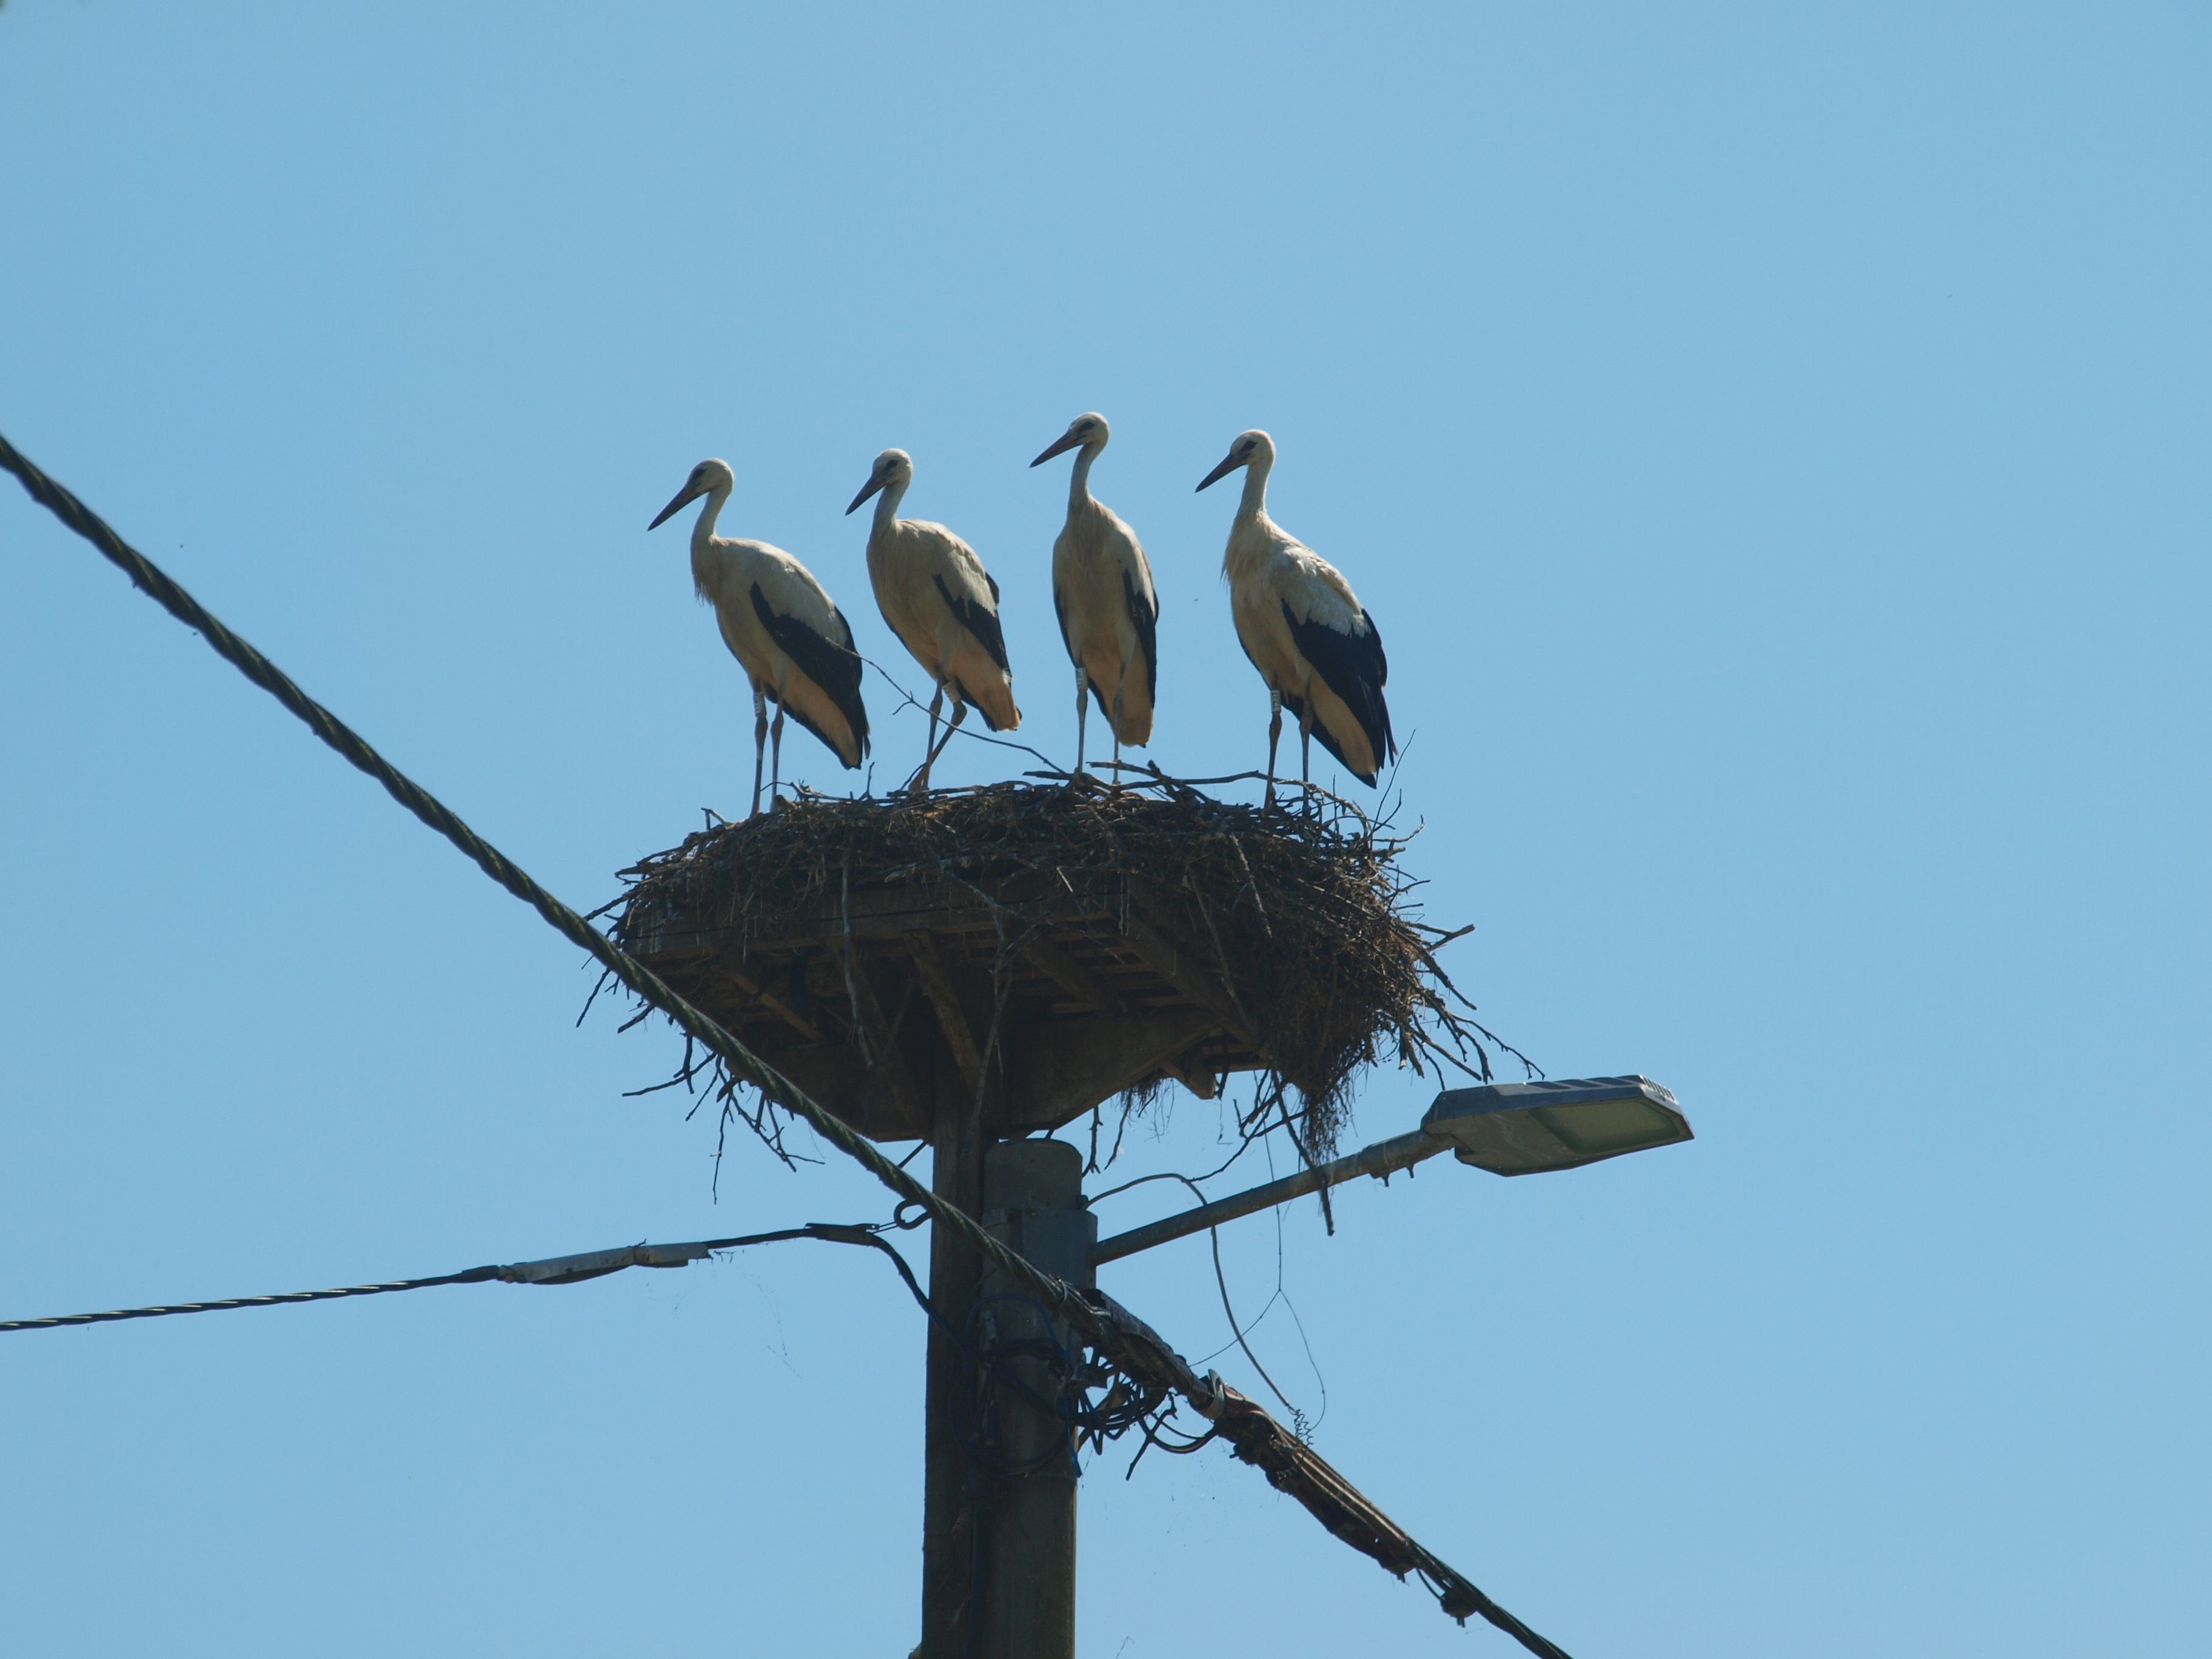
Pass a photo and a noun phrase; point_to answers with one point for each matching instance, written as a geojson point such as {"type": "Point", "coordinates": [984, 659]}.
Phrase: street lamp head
{"type": "Point", "coordinates": [1525, 1129]}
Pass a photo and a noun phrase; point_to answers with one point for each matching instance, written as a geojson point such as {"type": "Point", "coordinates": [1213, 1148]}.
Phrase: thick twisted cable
{"type": "Point", "coordinates": [1459, 1598]}
{"type": "Point", "coordinates": [155, 582]}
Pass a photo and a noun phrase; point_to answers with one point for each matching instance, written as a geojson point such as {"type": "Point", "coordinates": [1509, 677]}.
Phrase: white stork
{"type": "Point", "coordinates": [1313, 642]}
{"type": "Point", "coordinates": [941, 603]}
{"type": "Point", "coordinates": [793, 643]}
{"type": "Point", "coordinates": [1102, 590]}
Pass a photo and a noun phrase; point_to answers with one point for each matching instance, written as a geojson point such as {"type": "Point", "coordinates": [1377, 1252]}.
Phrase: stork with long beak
{"type": "Point", "coordinates": [942, 605]}
{"type": "Point", "coordinates": [793, 643]}
{"type": "Point", "coordinates": [1102, 591]}
{"type": "Point", "coordinates": [1312, 640]}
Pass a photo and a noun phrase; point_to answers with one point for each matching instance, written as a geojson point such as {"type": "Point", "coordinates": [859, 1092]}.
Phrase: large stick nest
{"type": "Point", "coordinates": [1294, 924]}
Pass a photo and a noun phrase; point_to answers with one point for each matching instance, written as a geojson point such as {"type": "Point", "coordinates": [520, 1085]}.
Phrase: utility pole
{"type": "Point", "coordinates": [1033, 1200]}
{"type": "Point", "coordinates": [948, 1508]}
{"type": "Point", "coordinates": [998, 1504]}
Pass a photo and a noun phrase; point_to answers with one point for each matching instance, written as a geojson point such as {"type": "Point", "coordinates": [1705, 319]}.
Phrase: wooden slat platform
{"type": "Point", "coordinates": [881, 1002]}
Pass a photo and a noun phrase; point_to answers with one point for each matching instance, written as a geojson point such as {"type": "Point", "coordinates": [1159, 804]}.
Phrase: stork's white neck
{"type": "Point", "coordinates": [887, 503]}
{"type": "Point", "coordinates": [1078, 478]}
{"type": "Point", "coordinates": [1254, 503]}
{"type": "Point", "coordinates": [703, 532]}
{"type": "Point", "coordinates": [707, 570]}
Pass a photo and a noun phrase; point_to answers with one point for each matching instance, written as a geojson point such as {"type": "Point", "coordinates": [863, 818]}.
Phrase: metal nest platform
{"type": "Point", "coordinates": [1042, 948]}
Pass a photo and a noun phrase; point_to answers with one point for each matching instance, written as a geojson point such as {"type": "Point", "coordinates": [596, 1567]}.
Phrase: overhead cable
{"type": "Point", "coordinates": [554, 1270]}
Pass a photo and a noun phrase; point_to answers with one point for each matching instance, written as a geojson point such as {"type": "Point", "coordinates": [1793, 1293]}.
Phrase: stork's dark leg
{"type": "Point", "coordinates": [775, 763]}
{"type": "Point", "coordinates": [1082, 709]}
{"type": "Point", "coordinates": [921, 778]}
{"type": "Point", "coordinates": [760, 736]}
{"type": "Point", "coordinates": [1117, 723]}
{"type": "Point", "coordinates": [1305, 741]}
{"type": "Point", "coordinates": [959, 713]}
{"type": "Point", "coordinates": [1274, 736]}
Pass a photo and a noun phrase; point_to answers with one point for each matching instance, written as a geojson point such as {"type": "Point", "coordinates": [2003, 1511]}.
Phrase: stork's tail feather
{"type": "Point", "coordinates": [995, 704]}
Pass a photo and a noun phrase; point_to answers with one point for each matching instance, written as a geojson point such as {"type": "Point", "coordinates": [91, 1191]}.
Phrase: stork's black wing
{"type": "Point", "coordinates": [1353, 666]}
{"type": "Point", "coordinates": [982, 624]}
{"type": "Point", "coordinates": [833, 664]}
{"type": "Point", "coordinates": [1060, 610]}
{"type": "Point", "coordinates": [1145, 618]}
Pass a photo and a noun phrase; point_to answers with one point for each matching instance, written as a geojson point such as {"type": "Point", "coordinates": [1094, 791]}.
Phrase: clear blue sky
{"type": "Point", "coordinates": [1774, 445]}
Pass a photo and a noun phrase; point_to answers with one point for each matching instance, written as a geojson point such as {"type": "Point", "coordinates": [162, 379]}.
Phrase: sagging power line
{"type": "Point", "coordinates": [551, 1270]}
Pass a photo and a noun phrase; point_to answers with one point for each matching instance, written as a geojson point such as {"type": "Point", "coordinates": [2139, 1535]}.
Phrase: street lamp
{"type": "Point", "coordinates": [1507, 1128]}
{"type": "Point", "coordinates": [1527, 1129]}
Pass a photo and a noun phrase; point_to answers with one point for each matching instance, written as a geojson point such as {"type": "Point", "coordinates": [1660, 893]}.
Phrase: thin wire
{"type": "Point", "coordinates": [828, 1232]}
{"type": "Point", "coordinates": [1221, 1281]}
{"type": "Point", "coordinates": [1283, 1296]}
{"type": "Point", "coordinates": [1297, 1417]}
{"type": "Point", "coordinates": [473, 1276]}
{"type": "Point", "coordinates": [1243, 1148]}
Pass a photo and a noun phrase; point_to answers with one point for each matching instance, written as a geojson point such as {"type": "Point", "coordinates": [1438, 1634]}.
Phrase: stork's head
{"type": "Point", "coordinates": [1084, 431]}
{"type": "Point", "coordinates": [893, 466]}
{"type": "Point", "coordinates": [706, 478]}
{"type": "Point", "coordinates": [1253, 447]}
